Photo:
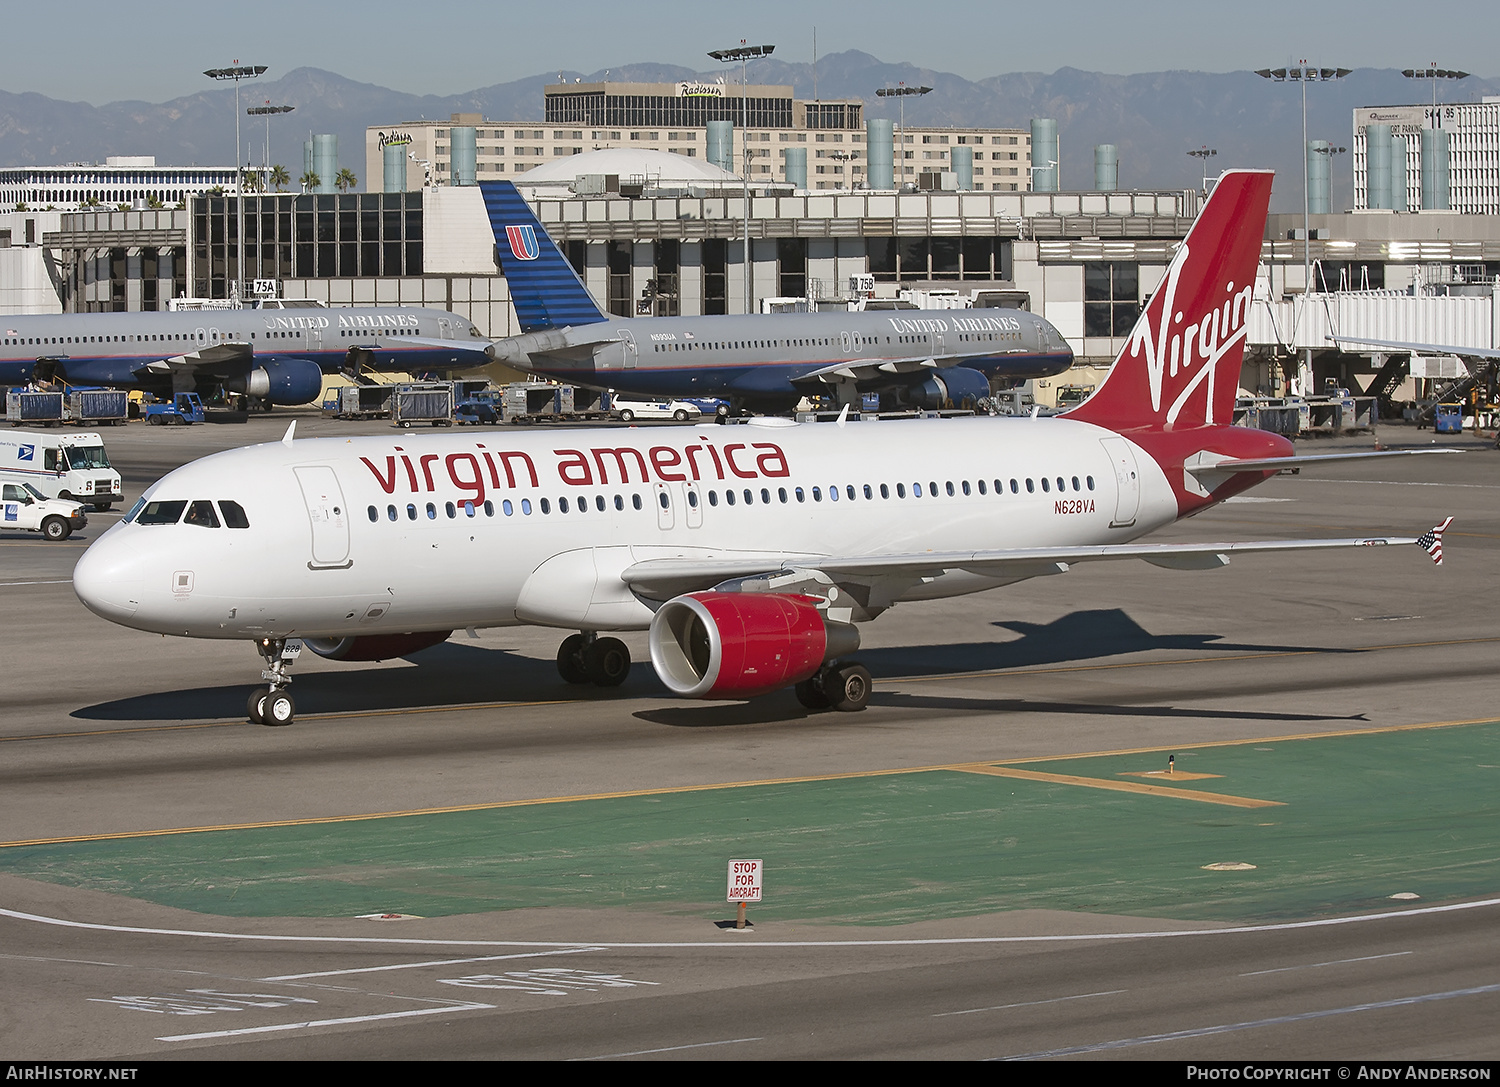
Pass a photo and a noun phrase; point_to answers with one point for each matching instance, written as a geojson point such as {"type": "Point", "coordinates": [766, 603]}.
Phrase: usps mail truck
{"type": "Point", "coordinates": [73, 467]}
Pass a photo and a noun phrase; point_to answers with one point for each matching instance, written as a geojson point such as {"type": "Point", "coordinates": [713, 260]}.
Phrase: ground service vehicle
{"type": "Point", "coordinates": [24, 507]}
{"type": "Point", "coordinates": [73, 467]}
{"type": "Point", "coordinates": [182, 410]}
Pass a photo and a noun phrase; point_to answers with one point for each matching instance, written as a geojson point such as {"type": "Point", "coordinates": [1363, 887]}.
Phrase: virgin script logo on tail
{"type": "Point", "coordinates": [1214, 327]}
{"type": "Point", "coordinates": [522, 242]}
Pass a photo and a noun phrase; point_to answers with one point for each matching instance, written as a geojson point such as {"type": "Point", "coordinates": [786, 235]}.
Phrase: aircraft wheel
{"type": "Point", "coordinates": [55, 528]}
{"type": "Point", "coordinates": [279, 709]}
{"type": "Point", "coordinates": [255, 706]}
{"type": "Point", "coordinates": [811, 694]}
{"type": "Point", "coordinates": [848, 687]}
{"type": "Point", "coordinates": [607, 662]}
{"type": "Point", "coordinates": [570, 660]}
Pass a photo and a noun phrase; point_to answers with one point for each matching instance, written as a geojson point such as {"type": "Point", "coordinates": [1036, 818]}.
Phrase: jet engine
{"type": "Point", "coordinates": [283, 382]}
{"type": "Point", "coordinates": [952, 387]}
{"type": "Point", "coordinates": [375, 647]}
{"type": "Point", "coordinates": [738, 645]}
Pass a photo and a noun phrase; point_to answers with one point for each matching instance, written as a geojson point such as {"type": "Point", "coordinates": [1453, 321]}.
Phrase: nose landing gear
{"type": "Point", "coordinates": [274, 706]}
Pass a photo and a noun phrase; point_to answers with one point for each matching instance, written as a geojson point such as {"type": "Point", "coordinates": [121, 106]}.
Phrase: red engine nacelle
{"type": "Point", "coordinates": [738, 645]}
{"type": "Point", "coordinates": [375, 647]}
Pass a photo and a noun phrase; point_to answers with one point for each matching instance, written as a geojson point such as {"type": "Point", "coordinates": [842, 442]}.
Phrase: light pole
{"type": "Point", "coordinates": [1304, 74]}
{"type": "Point", "coordinates": [1434, 73]}
{"type": "Point", "coordinates": [266, 111]}
{"type": "Point", "coordinates": [1204, 153]}
{"type": "Point", "coordinates": [902, 92]}
{"type": "Point", "coordinates": [237, 73]}
{"type": "Point", "coordinates": [743, 53]}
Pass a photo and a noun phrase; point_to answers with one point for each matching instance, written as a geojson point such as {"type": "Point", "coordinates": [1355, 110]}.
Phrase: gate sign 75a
{"type": "Point", "coordinates": [744, 880]}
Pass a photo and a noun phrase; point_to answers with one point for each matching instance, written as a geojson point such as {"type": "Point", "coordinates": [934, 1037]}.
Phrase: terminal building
{"type": "Point", "coordinates": [808, 144]}
{"type": "Point", "coordinates": [124, 180]}
{"type": "Point", "coordinates": [1087, 261]}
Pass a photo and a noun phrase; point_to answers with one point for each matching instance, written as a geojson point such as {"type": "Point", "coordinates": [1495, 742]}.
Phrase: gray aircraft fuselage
{"type": "Point", "coordinates": [173, 351]}
{"type": "Point", "coordinates": [775, 359]}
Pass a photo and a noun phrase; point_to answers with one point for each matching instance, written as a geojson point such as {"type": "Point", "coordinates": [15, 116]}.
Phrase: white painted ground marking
{"type": "Point", "coordinates": [1200, 1032]}
{"type": "Point", "coordinates": [1029, 1003]}
{"type": "Point", "coordinates": [549, 981]}
{"type": "Point", "coordinates": [668, 1049]}
{"type": "Point", "coordinates": [13, 584]}
{"type": "Point", "coordinates": [200, 1002]}
{"type": "Point", "coordinates": [325, 1023]}
{"type": "Point", "coordinates": [1331, 962]}
{"type": "Point", "coordinates": [1255, 498]}
{"type": "Point", "coordinates": [1235, 930]}
{"type": "Point", "coordinates": [434, 962]}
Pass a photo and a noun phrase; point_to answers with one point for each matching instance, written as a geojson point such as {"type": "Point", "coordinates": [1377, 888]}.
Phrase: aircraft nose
{"type": "Point", "coordinates": [109, 579]}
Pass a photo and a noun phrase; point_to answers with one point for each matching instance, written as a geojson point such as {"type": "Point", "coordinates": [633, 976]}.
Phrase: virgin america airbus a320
{"type": "Point", "coordinates": [751, 553]}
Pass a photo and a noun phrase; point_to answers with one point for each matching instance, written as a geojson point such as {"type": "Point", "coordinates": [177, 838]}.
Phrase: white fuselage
{"type": "Point", "coordinates": [378, 535]}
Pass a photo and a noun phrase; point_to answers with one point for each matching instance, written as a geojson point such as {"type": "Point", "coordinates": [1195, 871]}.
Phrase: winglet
{"type": "Point", "coordinates": [286, 439]}
{"type": "Point", "coordinates": [1431, 541]}
{"type": "Point", "coordinates": [843, 416]}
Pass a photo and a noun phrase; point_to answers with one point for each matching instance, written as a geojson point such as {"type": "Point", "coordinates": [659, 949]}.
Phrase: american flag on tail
{"type": "Point", "coordinates": [1431, 541]}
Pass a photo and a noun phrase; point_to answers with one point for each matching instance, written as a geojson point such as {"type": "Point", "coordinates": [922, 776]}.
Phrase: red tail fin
{"type": "Point", "coordinates": [1181, 365]}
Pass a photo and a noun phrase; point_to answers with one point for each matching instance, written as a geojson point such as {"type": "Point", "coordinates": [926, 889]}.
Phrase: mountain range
{"type": "Point", "coordinates": [1153, 118]}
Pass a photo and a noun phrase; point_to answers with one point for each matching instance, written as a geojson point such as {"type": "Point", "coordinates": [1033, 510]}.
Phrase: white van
{"type": "Point", "coordinates": [73, 467]}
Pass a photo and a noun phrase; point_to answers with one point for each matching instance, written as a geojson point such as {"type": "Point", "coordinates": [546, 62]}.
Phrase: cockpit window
{"type": "Point", "coordinates": [135, 509]}
{"type": "Point", "coordinates": [202, 514]}
{"type": "Point", "coordinates": [234, 514]}
{"type": "Point", "coordinates": [161, 513]}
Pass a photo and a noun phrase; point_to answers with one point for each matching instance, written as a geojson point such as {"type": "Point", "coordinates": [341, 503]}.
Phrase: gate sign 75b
{"type": "Point", "coordinates": [744, 880]}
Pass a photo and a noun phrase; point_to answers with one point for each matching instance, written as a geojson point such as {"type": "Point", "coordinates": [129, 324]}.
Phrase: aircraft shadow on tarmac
{"type": "Point", "coordinates": [459, 673]}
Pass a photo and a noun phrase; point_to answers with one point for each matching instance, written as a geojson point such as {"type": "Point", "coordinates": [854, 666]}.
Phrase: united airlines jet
{"type": "Point", "coordinates": [751, 553]}
{"type": "Point", "coordinates": [275, 355]}
{"type": "Point", "coordinates": [918, 358]}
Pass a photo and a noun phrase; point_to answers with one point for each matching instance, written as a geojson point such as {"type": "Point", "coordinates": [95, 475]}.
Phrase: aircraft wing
{"type": "Point", "coordinates": [876, 581]}
{"type": "Point", "coordinates": [883, 369]}
{"type": "Point", "coordinates": [387, 343]}
{"type": "Point", "coordinates": [1424, 348]}
{"type": "Point", "coordinates": [204, 358]}
{"type": "Point", "coordinates": [1210, 462]}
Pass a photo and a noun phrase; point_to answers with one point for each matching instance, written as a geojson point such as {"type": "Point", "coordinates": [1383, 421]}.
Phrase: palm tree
{"type": "Point", "coordinates": [280, 178]}
{"type": "Point", "coordinates": [345, 180]}
{"type": "Point", "coordinates": [310, 181]}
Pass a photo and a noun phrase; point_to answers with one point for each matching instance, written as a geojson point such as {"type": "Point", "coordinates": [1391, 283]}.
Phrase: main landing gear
{"type": "Point", "coordinates": [588, 658]}
{"type": "Point", "coordinates": [274, 706]}
{"type": "Point", "coordinates": [843, 686]}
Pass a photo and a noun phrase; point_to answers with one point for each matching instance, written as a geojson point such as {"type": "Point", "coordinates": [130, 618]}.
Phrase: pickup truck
{"type": "Point", "coordinates": [22, 506]}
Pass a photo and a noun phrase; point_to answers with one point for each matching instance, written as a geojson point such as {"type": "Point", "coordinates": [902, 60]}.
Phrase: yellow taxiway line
{"type": "Point", "coordinates": [994, 767]}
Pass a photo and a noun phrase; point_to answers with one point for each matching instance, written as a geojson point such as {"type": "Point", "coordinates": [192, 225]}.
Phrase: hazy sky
{"type": "Point", "coordinates": [93, 51]}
